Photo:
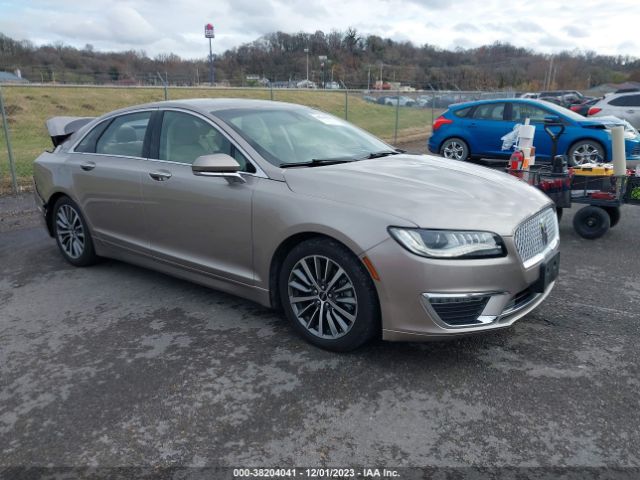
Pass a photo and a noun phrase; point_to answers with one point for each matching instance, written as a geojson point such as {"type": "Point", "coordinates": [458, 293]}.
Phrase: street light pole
{"type": "Point", "coordinates": [306, 50]}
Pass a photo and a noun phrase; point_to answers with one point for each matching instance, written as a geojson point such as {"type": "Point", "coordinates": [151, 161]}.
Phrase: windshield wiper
{"type": "Point", "coordinates": [383, 153]}
{"type": "Point", "coordinates": [316, 162]}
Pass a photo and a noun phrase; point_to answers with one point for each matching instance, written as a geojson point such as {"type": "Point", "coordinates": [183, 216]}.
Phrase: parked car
{"type": "Point", "coordinates": [621, 105]}
{"type": "Point", "coordinates": [583, 108]}
{"type": "Point", "coordinates": [289, 206]}
{"type": "Point", "coordinates": [404, 101]}
{"type": "Point", "coordinates": [474, 129]}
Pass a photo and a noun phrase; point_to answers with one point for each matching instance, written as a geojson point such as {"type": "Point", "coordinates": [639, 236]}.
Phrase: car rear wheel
{"type": "Point", "coordinates": [328, 296]}
{"type": "Point", "coordinates": [455, 149]}
{"type": "Point", "coordinates": [586, 151]}
{"type": "Point", "coordinates": [72, 234]}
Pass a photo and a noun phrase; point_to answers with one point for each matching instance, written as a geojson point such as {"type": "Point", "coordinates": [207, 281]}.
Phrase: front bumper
{"type": "Point", "coordinates": [407, 281]}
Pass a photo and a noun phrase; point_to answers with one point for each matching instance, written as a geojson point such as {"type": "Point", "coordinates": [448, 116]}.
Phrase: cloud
{"type": "Point", "coordinates": [160, 26]}
{"type": "Point", "coordinates": [468, 27]}
{"type": "Point", "coordinates": [577, 32]}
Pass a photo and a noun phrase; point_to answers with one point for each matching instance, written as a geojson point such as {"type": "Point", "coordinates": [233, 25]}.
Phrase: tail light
{"type": "Point", "coordinates": [575, 108]}
{"type": "Point", "coordinates": [440, 121]}
{"type": "Point", "coordinates": [593, 111]}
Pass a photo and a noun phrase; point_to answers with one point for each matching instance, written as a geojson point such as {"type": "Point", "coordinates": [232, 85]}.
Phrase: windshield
{"type": "Point", "coordinates": [300, 135]}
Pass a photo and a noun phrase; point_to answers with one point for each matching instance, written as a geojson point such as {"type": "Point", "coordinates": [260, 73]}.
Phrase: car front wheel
{"type": "Point", "coordinates": [328, 295]}
{"type": "Point", "coordinates": [586, 151]}
{"type": "Point", "coordinates": [72, 234]}
{"type": "Point", "coordinates": [455, 149]}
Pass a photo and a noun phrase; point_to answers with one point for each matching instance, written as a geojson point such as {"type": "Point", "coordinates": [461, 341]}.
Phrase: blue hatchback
{"type": "Point", "coordinates": [475, 129]}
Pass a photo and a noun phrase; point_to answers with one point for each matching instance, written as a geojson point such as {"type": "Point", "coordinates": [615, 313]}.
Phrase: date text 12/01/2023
{"type": "Point", "coordinates": [314, 473]}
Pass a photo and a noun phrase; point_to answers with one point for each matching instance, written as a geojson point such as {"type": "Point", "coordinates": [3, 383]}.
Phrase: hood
{"type": "Point", "coordinates": [431, 192]}
{"type": "Point", "coordinates": [606, 122]}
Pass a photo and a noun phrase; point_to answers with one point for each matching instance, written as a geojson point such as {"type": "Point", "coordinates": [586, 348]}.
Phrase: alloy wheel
{"type": "Point", "coordinates": [322, 296]}
{"type": "Point", "coordinates": [586, 153]}
{"type": "Point", "coordinates": [70, 231]}
{"type": "Point", "coordinates": [453, 150]}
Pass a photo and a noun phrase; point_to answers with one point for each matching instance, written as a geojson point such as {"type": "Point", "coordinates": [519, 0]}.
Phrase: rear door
{"type": "Point", "coordinates": [627, 107]}
{"type": "Point", "coordinates": [487, 125]}
{"type": "Point", "coordinates": [106, 167]}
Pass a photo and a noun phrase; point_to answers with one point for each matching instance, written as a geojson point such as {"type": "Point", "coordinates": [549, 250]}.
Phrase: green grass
{"type": "Point", "coordinates": [29, 107]}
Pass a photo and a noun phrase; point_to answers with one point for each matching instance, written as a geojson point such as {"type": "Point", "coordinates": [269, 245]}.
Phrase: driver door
{"type": "Point", "coordinates": [200, 223]}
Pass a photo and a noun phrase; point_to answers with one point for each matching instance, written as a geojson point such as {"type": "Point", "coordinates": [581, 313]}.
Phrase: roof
{"type": "Point", "coordinates": [207, 106]}
{"type": "Point", "coordinates": [8, 77]}
{"type": "Point", "coordinates": [213, 104]}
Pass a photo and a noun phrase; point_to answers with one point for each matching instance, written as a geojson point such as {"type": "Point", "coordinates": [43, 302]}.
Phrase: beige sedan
{"type": "Point", "coordinates": [296, 209]}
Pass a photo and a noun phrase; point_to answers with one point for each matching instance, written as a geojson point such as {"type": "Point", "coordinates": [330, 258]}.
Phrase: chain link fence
{"type": "Point", "coordinates": [398, 117]}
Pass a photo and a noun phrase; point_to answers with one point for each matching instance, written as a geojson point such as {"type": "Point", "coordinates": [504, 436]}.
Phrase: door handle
{"type": "Point", "coordinates": [86, 166]}
{"type": "Point", "coordinates": [160, 176]}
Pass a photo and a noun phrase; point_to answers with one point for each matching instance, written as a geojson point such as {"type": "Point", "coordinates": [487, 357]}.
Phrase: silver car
{"type": "Point", "coordinates": [297, 209]}
{"type": "Point", "coordinates": [621, 105]}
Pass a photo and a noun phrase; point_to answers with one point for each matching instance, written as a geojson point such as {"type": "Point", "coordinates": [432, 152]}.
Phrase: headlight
{"type": "Point", "coordinates": [449, 243]}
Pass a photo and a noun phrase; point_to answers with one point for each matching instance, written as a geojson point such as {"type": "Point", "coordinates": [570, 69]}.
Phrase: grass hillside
{"type": "Point", "coordinates": [29, 107]}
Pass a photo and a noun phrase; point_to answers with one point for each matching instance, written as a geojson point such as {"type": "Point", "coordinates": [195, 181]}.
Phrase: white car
{"type": "Point", "coordinates": [621, 105]}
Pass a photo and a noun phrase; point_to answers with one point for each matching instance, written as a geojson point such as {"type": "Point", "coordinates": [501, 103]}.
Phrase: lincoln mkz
{"type": "Point", "coordinates": [296, 209]}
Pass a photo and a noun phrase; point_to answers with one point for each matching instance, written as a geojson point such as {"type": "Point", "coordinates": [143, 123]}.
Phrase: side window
{"type": "Point", "coordinates": [125, 135]}
{"type": "Point", "coordinates": [522, 111]}
{"type": "Point", "coordinates": [184, 137]}
{"type": "Point", "coordinates": [88, 143]}
{"type": "Point", "coordinates": [463, 112]}
{"type": "Point", "coordinates": [489, 111]}
{"type": "Point", "coordinates": [626, 101]}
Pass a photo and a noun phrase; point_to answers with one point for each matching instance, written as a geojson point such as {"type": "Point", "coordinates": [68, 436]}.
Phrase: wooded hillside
{"type": "Point", "coordinates": [354, 59]}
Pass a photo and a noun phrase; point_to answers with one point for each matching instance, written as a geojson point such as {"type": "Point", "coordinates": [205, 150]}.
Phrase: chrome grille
{"type": "Point", "coordinates": [536, 234]}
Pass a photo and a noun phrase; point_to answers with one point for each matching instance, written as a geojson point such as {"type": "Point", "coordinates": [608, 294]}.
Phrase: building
{"type": "Point", "coordinates": [8, 77]}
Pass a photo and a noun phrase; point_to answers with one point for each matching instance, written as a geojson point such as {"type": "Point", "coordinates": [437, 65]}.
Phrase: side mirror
{"type": "Point", "coordinates": [218, 165]}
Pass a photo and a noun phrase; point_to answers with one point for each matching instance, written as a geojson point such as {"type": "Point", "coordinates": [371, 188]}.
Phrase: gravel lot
{"type": "Point", "coordinates": [114, 365]}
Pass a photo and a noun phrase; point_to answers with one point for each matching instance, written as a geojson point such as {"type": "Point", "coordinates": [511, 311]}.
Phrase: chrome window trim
{"type": "Point", "coordinates": [72, 149]}
{"type": "Point", "coordinates": [259, 172]}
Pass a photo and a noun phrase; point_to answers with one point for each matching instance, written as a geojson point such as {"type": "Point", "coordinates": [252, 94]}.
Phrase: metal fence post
{"type": "Point", "coordinates": [395, 134]}
{"type": "Point", "coordinates": [346, 104]}
{"type": "Point", "coordinates": [5, 123]}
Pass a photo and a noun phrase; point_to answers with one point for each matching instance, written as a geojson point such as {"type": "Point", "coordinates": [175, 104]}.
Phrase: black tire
{"type": "Point", "coordinates": [559, 213]}
{"type": "Point", "coordinates": [362, 296]}
{"type": "Point", "coordinates": [591, 222]}
{"type": "Point", "coordinates": [455, 148]}
{"type": "Point", "coordinates": [614, 215]}
{"type": "Point", "coordinates": [586, 151]}
{"type": "Point", "coordinates": [78, 257]}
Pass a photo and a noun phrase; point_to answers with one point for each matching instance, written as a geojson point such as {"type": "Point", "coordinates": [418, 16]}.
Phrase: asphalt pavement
{"type": "Point", "coordinates": [115, 365]}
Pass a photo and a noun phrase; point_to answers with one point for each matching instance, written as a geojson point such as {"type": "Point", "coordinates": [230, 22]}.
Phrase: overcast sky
{"type": "Point", "coordinates": [163, 26]}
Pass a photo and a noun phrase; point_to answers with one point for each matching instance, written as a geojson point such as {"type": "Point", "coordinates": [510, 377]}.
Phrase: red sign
{"type": "Point", "coordinates": [208, 31]}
